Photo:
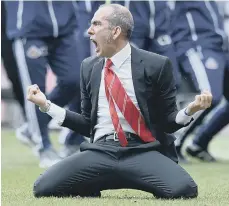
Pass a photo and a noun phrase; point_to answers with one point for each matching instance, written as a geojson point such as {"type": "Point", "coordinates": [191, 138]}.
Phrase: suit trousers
{"type": "Point", "coordinates": [106, 165]}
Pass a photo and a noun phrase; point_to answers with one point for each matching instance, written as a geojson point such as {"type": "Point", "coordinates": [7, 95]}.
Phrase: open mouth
{"type": "Point", "coordinates": [96, 45]}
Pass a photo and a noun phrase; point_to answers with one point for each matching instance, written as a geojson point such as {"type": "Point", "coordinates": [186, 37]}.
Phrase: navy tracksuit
{"type": "Point", "coordinates": [151, 29]}
{"type": "Point", "coordinates": [199, 40]}
{"type": "Point", "coordinates": [44, 33]}
{"type": "Point", "coordinates": [219, 120]}
{"type": "Point", "coordinates": [200, 43]}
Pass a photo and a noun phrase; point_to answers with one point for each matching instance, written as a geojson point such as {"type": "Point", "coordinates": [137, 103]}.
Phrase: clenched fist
{"type": "Point", "coordinates": [35, 95]}
{"type": "Point", "coordinates": [201, 102]}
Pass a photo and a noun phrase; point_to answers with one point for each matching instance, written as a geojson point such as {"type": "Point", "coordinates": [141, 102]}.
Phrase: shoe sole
{"type": "Point", "coordinates": [27, 142]}
{"type": "Point", "coordinates": [47, 164]}
{"type": "Point", "coordinates": [24, 140]}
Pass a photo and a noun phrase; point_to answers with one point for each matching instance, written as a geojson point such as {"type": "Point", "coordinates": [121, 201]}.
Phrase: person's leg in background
{"type": "Point", "coordinates": [22, 133]}
{"type": "Point", "coordinates": [13, 74]}
{"type": "Point", "coordinates": [12, 70]}
{"type": "Point", "coordinates": [199, 147]}
{"type": "Point", "coordinates": [64, 61]}
{"type": "Point", "coordinates": [219, 120]}
{"type": "Point", "coordinates": [9, 61]}
{"type": "Point", "coordinates": [206, 71]}
{"type": "Point", "coordinates": [31, 57]}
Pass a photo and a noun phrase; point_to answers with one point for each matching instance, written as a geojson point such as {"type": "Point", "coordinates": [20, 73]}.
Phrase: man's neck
{"type": "Point", "coordinates": [119, 46]}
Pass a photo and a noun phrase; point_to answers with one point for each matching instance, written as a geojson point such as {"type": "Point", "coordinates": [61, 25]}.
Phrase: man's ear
{"type": "Point", "coordinates": [116, 32]}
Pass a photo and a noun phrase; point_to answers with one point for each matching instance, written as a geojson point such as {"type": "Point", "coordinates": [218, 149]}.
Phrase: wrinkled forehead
{"type": "Point", "coordinates": [102, 14]}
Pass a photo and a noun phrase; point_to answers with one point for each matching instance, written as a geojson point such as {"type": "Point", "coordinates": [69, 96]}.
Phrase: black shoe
{"type": "Point", "coordinates": [202, 154]}
{"type": "Point", "coordinates": [181, 157]}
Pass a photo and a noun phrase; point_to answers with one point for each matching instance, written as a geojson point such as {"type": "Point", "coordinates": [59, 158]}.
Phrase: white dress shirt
{"type": "Point", "coordinates": [122, 68]}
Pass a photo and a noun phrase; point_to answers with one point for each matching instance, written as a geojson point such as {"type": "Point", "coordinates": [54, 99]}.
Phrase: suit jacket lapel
{"type": "Point", "coordinates": [137, 68]}
{"type": "Point", "coordinates": [138, 72]}
{"type": "Point", "coordinates": [95, 85]}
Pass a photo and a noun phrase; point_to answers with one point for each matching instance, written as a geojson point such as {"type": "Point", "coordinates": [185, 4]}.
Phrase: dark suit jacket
{"type": "Point", "coordinates": [154, 88]}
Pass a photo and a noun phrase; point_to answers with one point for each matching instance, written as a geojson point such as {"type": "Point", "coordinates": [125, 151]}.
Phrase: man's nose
{"type": "Point", "coordinates": [90, 31]}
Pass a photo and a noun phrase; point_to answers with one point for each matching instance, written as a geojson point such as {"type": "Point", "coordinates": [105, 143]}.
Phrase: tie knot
{"type": "Point", "coordinates": [109, 63]}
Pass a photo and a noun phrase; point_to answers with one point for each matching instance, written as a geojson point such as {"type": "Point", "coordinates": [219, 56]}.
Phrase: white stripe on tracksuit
{"type": "Point", "coordinates": [53, 19]}
{"type": "Point", "coordinates": [88, 6]}
{"type": "Point", "coordinates": [51, 12]}
{"type": "Point", "coordinates": [215, 21]}
{"type": "Point", "coordinates": [195, 59]}
{"type": "Point", "coordinates": [151, 19]}
{"type": "Point", "coordinates": [199, 70]}
{"type": "Point", "coordinates": [30, 109]}
{"type": "Point", "coordinates": [19, 14]}
{"type": "Point", "coordinates": [191, 26]}
{"type": "Point", "coordinates": [127, 4]}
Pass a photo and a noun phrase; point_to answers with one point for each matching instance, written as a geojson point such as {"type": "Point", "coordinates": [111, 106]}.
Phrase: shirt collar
{"type": "Point", "coordinates": [119, 58]}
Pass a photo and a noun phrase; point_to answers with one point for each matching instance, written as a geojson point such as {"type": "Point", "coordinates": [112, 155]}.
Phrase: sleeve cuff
{"type": "Point", "coordinates": [57, 113]}
{"type": "Point", "coordinates": [183, 118]}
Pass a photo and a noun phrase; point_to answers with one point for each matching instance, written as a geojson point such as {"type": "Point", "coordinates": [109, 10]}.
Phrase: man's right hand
{"type": "Point", "coordinates": [35, 95]}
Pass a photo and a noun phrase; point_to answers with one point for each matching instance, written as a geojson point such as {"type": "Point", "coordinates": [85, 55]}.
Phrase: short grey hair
{"type": "Point", "coordinates": [121, 17]}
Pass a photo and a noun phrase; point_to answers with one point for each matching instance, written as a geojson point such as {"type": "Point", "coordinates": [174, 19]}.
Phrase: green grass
{"type": "Point", "coordinates": [20, 169]}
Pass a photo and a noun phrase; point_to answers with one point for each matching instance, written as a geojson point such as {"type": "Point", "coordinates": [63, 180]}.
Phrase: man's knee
{"type": "Point", "coordinates": [187, 189]}
{"type": "Point", "coordinates": [41, 188]}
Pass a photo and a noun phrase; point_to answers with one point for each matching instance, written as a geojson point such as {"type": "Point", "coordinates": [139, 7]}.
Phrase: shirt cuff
{"type": "Point", "coordinates": [183, 118]}
{"type": "Point", "coordinates": [57, 113]}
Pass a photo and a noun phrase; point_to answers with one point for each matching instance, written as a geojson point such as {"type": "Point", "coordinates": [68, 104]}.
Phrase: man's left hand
{"type": "Point", "coordinates": [201, 102]}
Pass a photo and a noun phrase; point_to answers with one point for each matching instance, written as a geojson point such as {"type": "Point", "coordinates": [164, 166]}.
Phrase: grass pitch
{"type": "Point", "coordinates": [20, 169]}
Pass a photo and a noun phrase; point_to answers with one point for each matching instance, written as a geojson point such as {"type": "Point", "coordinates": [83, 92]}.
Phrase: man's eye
{"type": "Point", "coordinates": [97, 23]}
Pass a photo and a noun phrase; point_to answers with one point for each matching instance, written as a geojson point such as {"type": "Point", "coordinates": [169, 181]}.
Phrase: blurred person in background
{"type": "Point", "coordinates": [200, 44]}
{"type": "Point", "coordinates": [43, 33]}
{"type": "Point", "coordinates": [151, 31]}
{"type": "Point", "coordinates": [209, 130]}
{"type": "Point", "coordinates": [9, 61]}
{"type": "Point", "coordinates": [220, 118]}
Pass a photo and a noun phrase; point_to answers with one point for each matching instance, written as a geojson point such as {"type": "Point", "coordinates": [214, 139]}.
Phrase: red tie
{"type": "Point", "coordinates": [115, 92]}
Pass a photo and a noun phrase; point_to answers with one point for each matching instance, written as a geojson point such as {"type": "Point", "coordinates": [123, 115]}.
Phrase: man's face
{"type": "Point", "coordinates": [101, 34]}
